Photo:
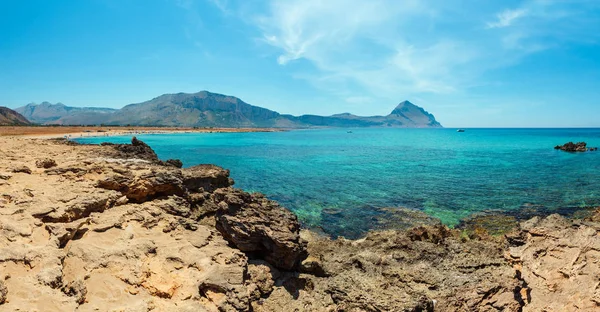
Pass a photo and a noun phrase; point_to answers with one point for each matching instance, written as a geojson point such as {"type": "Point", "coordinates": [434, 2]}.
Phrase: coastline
{"type": "Point", "coordinates": [94, 220]}
{"type": "Point", "coordinates": [51, 132]}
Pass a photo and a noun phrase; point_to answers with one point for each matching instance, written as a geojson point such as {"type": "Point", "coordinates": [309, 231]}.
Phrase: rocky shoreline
{"type": "Point", "coordinates": [112, 227]}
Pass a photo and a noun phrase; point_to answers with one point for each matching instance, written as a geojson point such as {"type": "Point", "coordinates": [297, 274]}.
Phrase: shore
{"type": "Point", "coordinates": [48, 132]}
{"type": "Point", "coordinates": [90, 227]}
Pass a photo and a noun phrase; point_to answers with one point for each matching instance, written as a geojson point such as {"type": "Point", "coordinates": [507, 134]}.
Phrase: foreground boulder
{"type": "Point", "coordinates": [428, 268]}
{"type": "Point", "coordinates": [260, 226]}
{"type": "Point", "coordinates": [206, 178]}
{"type": "Point", "coordinates": [45, 163]}
{"type": "Point", "coordinates": [139, 150]}
{"type": "Point", "coordinates": [558, 259]}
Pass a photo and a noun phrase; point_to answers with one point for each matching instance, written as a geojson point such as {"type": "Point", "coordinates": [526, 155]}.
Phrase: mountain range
{"type": "Point", "coordinates": [206, 109]}
{"type": "Point", "coordinates": [9, 117]}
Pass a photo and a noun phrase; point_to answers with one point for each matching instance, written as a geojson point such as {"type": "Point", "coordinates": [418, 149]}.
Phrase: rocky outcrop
{"type": "Point", "coordinates": [137, 149]}
{"type": "Point", "coordinates": [429, 268]}
{"type": "Point", "coordinates": [557, 260]}
{"type": "Point", "coordinates": [21, 169]}
{"type": "Point", "coordinates": [45, 163]}
{"type": "Point", "coordinates": [575, 147]}
{"type": "Point", "coordinates": [94, 233]}
{"type": "Point", "coordinates": [260, 226]}
{"type": "Point", "coordinates": [99, 234]}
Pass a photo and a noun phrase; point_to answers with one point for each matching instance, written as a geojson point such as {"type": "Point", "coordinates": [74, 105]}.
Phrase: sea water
{"type": "Point", "coordinates": [444, 173]}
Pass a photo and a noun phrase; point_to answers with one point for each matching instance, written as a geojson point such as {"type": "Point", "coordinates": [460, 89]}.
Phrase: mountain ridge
{"type": "Point", "coordinates": [208, 109]}
{"type": "Point", "coordinates": [9, 117]}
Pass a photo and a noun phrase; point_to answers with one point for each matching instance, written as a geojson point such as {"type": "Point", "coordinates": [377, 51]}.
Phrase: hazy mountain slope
{"type": "Point", "coordinates": [9, 117]}
{"type": "Point", "coordinates": [48, 113]}
{"type": "Point", "coordinates": [206, 109]}
{"type": "Point", "coordinates": [405, 115]}
{"type": "Point", "coordinates": [203, 109]}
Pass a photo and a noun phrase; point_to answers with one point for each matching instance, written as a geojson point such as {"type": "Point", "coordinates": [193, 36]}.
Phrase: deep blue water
{"type": "Point", "coordinates": [446, 174]}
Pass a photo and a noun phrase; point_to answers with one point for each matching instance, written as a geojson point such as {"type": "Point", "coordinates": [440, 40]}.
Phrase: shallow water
{"type": "Point", "coordinates": [449, 175]}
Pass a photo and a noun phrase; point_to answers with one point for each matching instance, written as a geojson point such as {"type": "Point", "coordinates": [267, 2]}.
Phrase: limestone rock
{"type": "Point", "coordinates": [21, 169]}
{"type": "Point", "coordinates": [3, 292]}
{"type": "Point", "coordinates": [206, 177]}
{"type": "Point", "coordinates": [258, 225]}
{"type": "Point", "coordinates": [45, 163]}
{"type": "Point", "coordinates": [137, 149]}
{"type": "Point", "coordinates": [556, 257]}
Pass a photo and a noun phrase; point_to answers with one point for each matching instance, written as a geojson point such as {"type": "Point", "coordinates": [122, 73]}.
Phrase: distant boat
{"type": "Point", "coordinates": [460, 130]}
{"type": "Point", "coordinates": [349, 131]}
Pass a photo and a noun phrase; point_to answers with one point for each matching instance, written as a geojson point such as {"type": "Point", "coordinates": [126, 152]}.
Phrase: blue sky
{"type": "Point", "coordinates": [530, 63]}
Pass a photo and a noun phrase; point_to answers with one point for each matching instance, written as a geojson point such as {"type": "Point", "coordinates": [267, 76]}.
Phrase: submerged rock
{"type": "Point", "coordinates": [493, 223]}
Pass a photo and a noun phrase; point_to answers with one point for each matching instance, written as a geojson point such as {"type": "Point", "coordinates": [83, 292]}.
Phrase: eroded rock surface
{"type": "Point", "coordinates": [256, 224]}
{"type": "Point", "coordinates": [99, 232]}
{"type": "Point", "coordinates": [558, 260]}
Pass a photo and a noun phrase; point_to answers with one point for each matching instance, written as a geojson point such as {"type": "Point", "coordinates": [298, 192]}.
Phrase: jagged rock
{"type": "Point", "coordinates": [206, 177]}
{"type": "Point", "coordinates": [80, 207]}
{"type": "Point", "coordinates": [260, 226]}
{"type": "Point", "coordinates": [5, 176]}
{"type": "Point", "coordinates": [175, 205]}
{"type": "Point", "coordinates": [21, 169]}
{"type": "Point", "coordinates": [3, 292]}
{"type": "Point", "coordinates": [173, 163]}
{"type": "Point", "coordinates": [146, 185]}
{"type": "Point", "coordinates": [313, 265]}
{"type": "Point", "coordinates": [63, 170]}
{"type": "Point", "coordinates": [261, 277]}
{"type": "Point", "coordinates": [137, 149]}
{"type": "Point", "coordinates": [572, 147]}
{"type": "Point", "coordinates": [45, 163]}
{"type": "Point", "coordinates": [434, 234]}
{"type": "Point", "coordinates": [556, 257]}
{"type": "Point", "coordinates": [77, 290]}
{"type": "Point", "coordinates": [401, 271]}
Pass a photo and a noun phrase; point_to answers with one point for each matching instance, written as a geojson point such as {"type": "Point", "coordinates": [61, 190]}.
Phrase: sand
{"type": "Point", "coordinates": [76, 132]}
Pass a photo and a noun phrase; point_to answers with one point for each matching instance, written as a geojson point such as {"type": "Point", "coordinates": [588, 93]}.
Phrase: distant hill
{"type": "Point", "coordinates": [60, 114]}
{"type": "Point", "coordinates": [9, 117]}
{"type": "Point", "coordinates": [202, 109]}
{"type": "Point", "coordinates": [206, 109]}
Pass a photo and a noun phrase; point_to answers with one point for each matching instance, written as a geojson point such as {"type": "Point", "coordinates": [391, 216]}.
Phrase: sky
{"type": "Point", "coordinates": [472, 63]}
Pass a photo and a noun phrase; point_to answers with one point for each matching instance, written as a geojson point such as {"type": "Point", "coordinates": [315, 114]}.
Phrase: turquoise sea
{"type": "Point", "coordinates": [448, 175]}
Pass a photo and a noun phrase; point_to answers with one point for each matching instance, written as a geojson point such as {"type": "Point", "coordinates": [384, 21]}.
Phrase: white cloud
{"type": "Point", "coordinates": [507, 17]}
{"type": "Point", "coordinates": [385, 49]}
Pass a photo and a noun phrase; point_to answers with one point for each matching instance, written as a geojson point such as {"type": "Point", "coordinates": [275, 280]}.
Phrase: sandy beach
{"type": "Point", "coordinates": [48, 132]}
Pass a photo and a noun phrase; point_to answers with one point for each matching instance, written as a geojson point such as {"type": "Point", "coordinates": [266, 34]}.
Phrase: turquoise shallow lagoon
{"type": "Point", "coordinates": [448, 175]}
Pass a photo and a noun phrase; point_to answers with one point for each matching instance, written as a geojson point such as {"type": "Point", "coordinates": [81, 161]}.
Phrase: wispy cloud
{"type": "Point", "coordinates": [222, 5]}
{"type": "Point", "coordinates": [373, 49]}
{"type": "Point", "coordinates": [506, 18]}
